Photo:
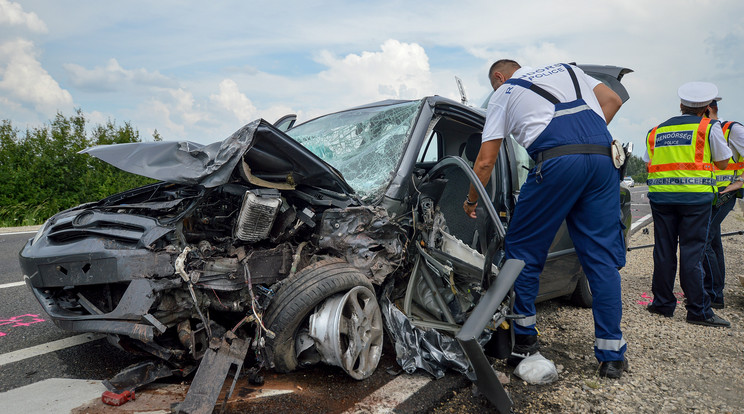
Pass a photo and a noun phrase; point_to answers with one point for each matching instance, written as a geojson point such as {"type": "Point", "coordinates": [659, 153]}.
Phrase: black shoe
{"type": "Point", "coordinates": [613, 369]}
{"type": "Point", "coordinates": [653, 309]}
{"type": "Point", "coordinates": [717, 305]}
{"type": "Point", "coordinates": [714, 320]}
{"type": "Point", "coordinates": [524, 346]}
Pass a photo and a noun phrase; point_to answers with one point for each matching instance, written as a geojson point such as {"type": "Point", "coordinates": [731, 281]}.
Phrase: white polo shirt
{"type": "Point", "coordinates": [524, 114]}
{"type": "Point", "coordinates": [736, 140]}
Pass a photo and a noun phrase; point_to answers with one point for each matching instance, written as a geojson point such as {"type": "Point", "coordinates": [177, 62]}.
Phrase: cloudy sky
{"type": "Point", "coordinates": [197, 71]}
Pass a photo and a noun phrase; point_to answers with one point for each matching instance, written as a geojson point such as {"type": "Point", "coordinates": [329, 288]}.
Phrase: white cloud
{"type": "Point", "coordinates": [98, 118]}
{"type": "Point", "coordinates": [12, 14]}
{"type": "Point", "coordinates": [113, 77]}
{"type": "Point", "coordinates": [398, 70]}
{"type": "Point", "coordinates": [176, 114]}
{"type": "Point", "coordinates": [157, 112]}
{"type": "Point", "coordinates": [542, 54]}
{"type": "Point", "coordinates": [231, 99]}
{"type": "Point", "coordinates": [184, 106]}
{"type": "Point", "coordinates": [175, 69]}
{"type": "Point", "coordinates": [22, 78]}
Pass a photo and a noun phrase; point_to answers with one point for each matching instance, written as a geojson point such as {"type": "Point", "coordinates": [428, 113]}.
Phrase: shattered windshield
{"type": "Point", "coordinates": [364, 144]}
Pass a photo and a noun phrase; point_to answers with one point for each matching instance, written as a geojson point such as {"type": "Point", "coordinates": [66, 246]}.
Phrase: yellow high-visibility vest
{"type": "Point", "coordinates": [680, 156]}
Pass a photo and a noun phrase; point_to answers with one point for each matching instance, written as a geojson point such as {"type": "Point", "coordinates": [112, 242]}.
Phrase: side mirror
{"type": "Point", "coordinates": [286, 122]}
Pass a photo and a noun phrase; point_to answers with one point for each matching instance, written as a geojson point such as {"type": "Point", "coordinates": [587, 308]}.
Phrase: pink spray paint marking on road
{"type": "Point", "coordinates": [647, 299]}
{"type": "Point", "coordinates": [18, 321]}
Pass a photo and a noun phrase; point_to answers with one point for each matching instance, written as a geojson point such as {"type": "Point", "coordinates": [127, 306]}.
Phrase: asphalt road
{"type": "Point", "coordinates": [639, 206]}
{"type": "Point", "coordinates": [24, 325]}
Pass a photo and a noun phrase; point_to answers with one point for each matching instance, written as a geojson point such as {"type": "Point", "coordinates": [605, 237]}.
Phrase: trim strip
{"type": "Point", "coordinates": [675, 166]}
{"type": "Point", "coordinates": [681, 181]}
{"type": "Point", "coordinates": [700, 141]}
{"type": "Point", "coordinates": [527, 321]}
{"type": "Point", "coordinates": [609, 344]}
{"type": "Point", "coordinates": [570, 111]}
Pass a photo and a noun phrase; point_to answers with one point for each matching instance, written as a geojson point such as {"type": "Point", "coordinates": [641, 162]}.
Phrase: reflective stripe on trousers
{"type": "Point", "coordinates": [527, 321]}
{"type": "Point", "coordinates": [610, 344]}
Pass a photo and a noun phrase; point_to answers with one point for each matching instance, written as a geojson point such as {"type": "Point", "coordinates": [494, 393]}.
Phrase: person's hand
{"type": "Point", "coordinates": [469, 208]}
{"type": "Point", "coordinates": [732, 187]}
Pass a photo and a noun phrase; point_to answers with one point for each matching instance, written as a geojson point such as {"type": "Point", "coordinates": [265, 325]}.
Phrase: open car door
{"type": "Point", "coordinates": [446, 266]}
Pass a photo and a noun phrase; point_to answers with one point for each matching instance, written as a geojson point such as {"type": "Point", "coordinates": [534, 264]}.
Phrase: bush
{"type": "Point", "coordinates": [42, 173]}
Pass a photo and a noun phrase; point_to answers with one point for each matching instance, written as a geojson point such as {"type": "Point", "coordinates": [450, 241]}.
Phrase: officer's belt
{"type": "Point", "coordinates": [572, 149]}
{"type": "Point", "coordinates": [568, 150]}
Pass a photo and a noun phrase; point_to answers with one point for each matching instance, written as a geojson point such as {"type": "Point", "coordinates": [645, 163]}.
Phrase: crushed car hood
{"type": "Point", "coordinates": [259, 152]}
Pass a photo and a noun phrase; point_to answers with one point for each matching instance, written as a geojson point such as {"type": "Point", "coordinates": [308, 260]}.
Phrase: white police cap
{"type": "Point", "coordinates": [697, 94]}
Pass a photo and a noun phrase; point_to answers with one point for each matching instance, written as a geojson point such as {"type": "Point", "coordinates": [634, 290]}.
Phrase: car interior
{"type": "Point", "coordinates": [449, 137]}
{"type": "Point", "coordinates": [451, 266]}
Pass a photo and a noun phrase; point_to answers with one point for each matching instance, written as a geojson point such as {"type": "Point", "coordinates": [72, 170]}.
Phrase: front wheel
{"type": "Point", "coordinates": [329, 297]}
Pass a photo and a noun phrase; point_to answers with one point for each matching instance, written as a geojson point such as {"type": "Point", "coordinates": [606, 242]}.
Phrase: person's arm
{"type": "Point", "coordinates": [482, 167]}
{"type": "Point", "coordinates": [736, 142]}
{"type": "Point", "coordinates": [721, 165]}
{"type": "Point", "coordinates": [736, 139]}
{"type": "Point", "coordinates": [735, 185]}
{"type": "Point", "coordinates": [608, 100]}
{"type": "Point", "coordinates": [719, 149]}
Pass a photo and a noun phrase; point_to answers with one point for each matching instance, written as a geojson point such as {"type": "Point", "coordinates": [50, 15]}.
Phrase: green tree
{"type": "Point", "coordinates": [637, 169]}
{"type": "Point", "coordinates": [42, 172]}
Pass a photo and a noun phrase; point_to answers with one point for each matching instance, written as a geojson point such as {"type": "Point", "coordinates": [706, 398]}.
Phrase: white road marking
{"type": "Point", "coordinates": [55, 395]}
{"type": "Point", "coordinates": [263, 393]}
{"type": "Point", "coordinates": [390, 395]}
{"type": "Point", "coordinates": [61, 395]}
{"type": "Point", "coordinates": [48, 347]}
{"type": "Point", "coordinates": [14, 284]}
{"type": "Point", "coordinates": [642, 221]}
{"type": "Point", "coordinates": [18, 232]}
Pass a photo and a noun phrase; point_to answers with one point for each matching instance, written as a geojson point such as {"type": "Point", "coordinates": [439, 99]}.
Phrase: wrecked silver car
{"type": "Point", "coordinates": [280, 249]}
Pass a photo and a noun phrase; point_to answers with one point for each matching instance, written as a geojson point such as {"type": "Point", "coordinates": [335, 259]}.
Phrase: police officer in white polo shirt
{"type": "Point", "coordinates": [729, 182]}
{"type": "Point", "coordinates": [681, 153]}
{"type": "Point", "coordinates": [560, 115]}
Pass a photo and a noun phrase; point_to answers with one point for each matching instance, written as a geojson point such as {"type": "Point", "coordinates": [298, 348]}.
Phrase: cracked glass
{"type": "Point", "coordinates": [364, 144]}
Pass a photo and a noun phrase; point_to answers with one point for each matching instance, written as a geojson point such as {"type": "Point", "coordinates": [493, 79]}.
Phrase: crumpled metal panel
{"type": "Point", "coordinates": [137, 375]}
{"type": "Point", "coordinates": [222, 355]}
{"type": "Point", "coordinates": [179, 162]}
{"type": "Point", "coordinates": [427, 349]}
{"type": "Point", "coordinates": [273, 157]}
{"type": "Point", "coordinates": [365, 237]}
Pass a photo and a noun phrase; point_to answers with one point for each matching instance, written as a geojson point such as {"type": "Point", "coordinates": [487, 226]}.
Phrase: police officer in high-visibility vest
{"type": "Point", "coordinates": [729, 182]}
{"type": "Point", "coordinates": [560, 115]}
{"type": "Point", "coordinates": [681, 154]}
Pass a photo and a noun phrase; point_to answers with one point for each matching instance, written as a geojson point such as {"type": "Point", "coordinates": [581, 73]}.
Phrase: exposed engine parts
{"type": "Point", "coordinates": [257, 215]}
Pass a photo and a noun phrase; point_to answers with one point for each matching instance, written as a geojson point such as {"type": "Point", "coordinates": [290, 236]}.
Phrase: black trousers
{"type": "Point", "coordinates": [685, 226]}
{"type": "Point", "coordinates": [714, 263]}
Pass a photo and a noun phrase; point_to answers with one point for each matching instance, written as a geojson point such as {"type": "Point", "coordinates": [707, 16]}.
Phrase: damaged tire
{"type": "Point", "coordinates": [301, 296]}
{"type": "Point", "coordinates": [582, 295]}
